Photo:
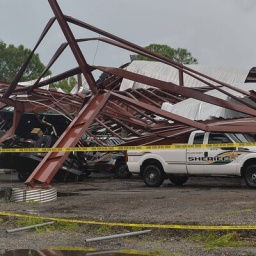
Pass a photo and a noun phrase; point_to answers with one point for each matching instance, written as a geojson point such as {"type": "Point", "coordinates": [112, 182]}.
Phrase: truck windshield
{"type": "Point", "coordinates": [239, 137]}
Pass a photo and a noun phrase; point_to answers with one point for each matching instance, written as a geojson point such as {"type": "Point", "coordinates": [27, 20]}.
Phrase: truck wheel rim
{"type": "Point", "coordinates": [253, 177]}
{"type": "Point", "coordinates": [152, 176]}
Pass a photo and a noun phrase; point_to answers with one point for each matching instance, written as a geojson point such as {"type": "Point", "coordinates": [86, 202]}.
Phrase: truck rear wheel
{"type": "Point", "coordinates": [178, 180]}
{"type": "Point", "coordinates": [250, 176]}
{"type": "Point", "coordinates": [153, 176]}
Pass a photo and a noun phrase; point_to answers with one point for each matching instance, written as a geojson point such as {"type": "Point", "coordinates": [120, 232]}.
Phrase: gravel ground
{"type": "Point", "coordinates": [103, 198]}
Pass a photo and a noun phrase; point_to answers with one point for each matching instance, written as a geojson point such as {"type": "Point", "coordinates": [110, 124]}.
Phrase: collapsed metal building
{"type": "Point", "coordinates": [134, 115]}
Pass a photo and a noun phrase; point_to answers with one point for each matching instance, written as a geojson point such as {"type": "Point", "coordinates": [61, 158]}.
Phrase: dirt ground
{"type": "Point", "coordinates": [103, 199]}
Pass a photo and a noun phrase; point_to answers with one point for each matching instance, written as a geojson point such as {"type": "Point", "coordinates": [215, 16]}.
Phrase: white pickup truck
{"type": "Point", "coordinates": [178, 164]}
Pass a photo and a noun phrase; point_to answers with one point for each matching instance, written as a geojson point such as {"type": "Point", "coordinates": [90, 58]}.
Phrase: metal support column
{"type": "Point", "coordinates": [51, 163]}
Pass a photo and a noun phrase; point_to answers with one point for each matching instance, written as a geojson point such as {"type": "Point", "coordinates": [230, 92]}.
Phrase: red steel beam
{"type": "Point", "coordinates": [171, 87]}
{"type": "Point", "coordinates": [73, 45]}
{"type": "Point", "coordinates": [51, 163]}
{"type": "Point", "coordinates": [161, 138]}
{"type": "Point", "coordinates": [160, 112]}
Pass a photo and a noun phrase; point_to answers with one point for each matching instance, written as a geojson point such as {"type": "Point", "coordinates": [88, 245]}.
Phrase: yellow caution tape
{"type": "Point", "coordinates": [141, 225]}
{"type": "Point", "coordinates": [124, 148]}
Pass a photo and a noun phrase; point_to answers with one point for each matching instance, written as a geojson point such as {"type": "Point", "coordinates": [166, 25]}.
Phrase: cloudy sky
{"type": "Point", "coordinates": [216, 32]}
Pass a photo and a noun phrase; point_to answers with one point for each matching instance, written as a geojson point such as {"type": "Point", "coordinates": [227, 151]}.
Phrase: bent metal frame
{"type": "Point", "coordinates": [133, 113]}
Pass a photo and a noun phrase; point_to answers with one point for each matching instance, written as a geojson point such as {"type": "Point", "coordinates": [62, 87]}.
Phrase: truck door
{"type": "Point", "coordinates": [220, 160]}
{"type": "Point", "coordinates": [195, 157]}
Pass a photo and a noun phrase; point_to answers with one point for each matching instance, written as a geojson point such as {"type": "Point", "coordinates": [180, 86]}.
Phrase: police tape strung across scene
{"type": "Point", "coordinates": [123, 148]}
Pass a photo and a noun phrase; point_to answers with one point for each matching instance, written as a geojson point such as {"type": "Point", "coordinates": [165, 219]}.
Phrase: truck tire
{"type": "Point", "coordinates": [23, 176]}
{"type": "Point", "coordinates": [178, 180]}
{"type": "Point", "coordinates": [250, 176]}
{"type": "Point", "coordinates": [153, 176]}
{"type": "Point", "coordinates": [122, 171]}
{"type": "Point", "coordinates": [45, 141]}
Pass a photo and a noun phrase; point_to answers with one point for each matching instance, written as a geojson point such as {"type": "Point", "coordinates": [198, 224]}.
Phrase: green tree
{"type": "Point", "coordinates": [66, 84]}
{"type": "Point", "coordinates": [179, 55]}
{"type": "Point", "coordinates": [11, 60]}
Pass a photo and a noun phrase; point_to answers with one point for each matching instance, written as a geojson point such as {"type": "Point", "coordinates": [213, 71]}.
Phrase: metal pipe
{"type": "Point", "coordinates": [29, 227]}
{"type": "Point", "coordinates": [117, 236]}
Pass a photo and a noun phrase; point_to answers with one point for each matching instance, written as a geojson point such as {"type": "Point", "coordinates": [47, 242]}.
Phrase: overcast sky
{"type": "Point", "coordinates": [216, 32]}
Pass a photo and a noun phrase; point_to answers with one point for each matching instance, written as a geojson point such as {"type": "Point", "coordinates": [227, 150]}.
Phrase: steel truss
{"type": "Point", "coordinates": [134, 115]}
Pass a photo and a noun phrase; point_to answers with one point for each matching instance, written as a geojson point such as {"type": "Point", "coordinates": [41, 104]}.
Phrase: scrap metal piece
{"type": "Point", "coordinates": [51, 163]}
{"type": "Point", "coordinates": [29, 227]}
{"type": "Point", "coordinates": [135, 233]}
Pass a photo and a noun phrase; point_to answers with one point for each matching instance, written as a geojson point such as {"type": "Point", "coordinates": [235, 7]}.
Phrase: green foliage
{"type": "Point", "coordinates": [1, 220]}
{"type": "Point", "coordinates": [65, 226]}
{"type": "Point", "coordinates": [179, 55]}
{"type": "Point", "coordinates": [66, 85]}
{"type": "Point", "coordinates": [184, 57]}
{"type": "Point", "coordinates": [213, 240]}
{"type": "Point", "coordinates": [11, 60]}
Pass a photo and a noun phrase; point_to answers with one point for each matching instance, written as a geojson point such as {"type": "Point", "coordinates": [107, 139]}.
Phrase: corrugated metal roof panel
{"type": "Point", "coordinates": [168, 73]}
{"type": "Point", "coordinates": [198, 110]}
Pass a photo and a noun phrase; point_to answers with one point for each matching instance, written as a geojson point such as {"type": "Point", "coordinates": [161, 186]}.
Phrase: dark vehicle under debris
{"type": "Point", "coordinates": [43, 136]}
{"type": "Point", "coordinates": [107, 161]}
{"type": "Point", "coordinates": [25, 163]}
{"type": "Point", "coordinates": [77, 166]}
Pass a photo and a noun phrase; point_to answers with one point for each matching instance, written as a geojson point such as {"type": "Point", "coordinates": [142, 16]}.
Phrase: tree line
{"type": "Point", "coordinates": [12, 58]}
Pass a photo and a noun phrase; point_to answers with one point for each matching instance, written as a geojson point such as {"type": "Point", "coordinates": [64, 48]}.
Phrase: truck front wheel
{"type": "Point", "coordinates": [178, 180]}
{"type": "Point", "coordinates": [250, 176]}
{"type": "Point", "coordinates": [153, 176]}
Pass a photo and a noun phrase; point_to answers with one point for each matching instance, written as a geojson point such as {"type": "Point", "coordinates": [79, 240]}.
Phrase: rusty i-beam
{"type": "Point", "coordinates": [50, 164]}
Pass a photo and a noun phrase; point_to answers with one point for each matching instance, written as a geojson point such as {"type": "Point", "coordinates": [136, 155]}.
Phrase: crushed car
{"type": "Point", "coordinates": [24, 163]}
{"type": "Point", "coordinates": [77, 166]}
{"type": "Point", "coordinates": [113, 161]}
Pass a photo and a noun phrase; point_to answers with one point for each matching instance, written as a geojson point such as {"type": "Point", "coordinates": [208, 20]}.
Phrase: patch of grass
{"type": "Point", "coordinates": [32, 202]}
{"type": "Point", "coordinates": [239, 211]}
{"type": "Point", "coordinates": [66, 226]}
{"type": "Point", "coordinates": [135, 229]}
{"type": "Point", "coordinates": [59, 225]}
{"type": "Point", "coordinates": [28, 221]}
{"type": "Point", "coordinates": [214, 240]}
{"type": "Point", "coordinates": [24, 222]}
{"type": "Point", "coordinates": [1, 220]}
{"type": "Point", "coordinates": [104, 229]}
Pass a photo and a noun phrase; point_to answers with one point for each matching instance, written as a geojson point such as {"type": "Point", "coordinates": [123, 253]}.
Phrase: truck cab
{"type": "Point", "coordinates": [204, 160]}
